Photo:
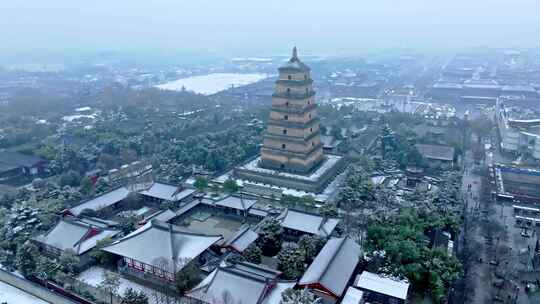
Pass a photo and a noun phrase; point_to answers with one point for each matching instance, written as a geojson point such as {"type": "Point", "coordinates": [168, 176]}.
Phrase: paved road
{"type": "Point", "coordinates": [480, 211]}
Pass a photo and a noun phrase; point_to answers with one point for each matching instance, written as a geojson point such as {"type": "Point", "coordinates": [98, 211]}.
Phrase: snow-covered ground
{"type": "Point", "coordinates": [327, 194]}
{"type": "Point", "coordinates": [212, 83]}
{"type": "Point", "coordinates": [331, 161]}
{"type": "Point", "coordinates": [12, 295]}
{"type": "Point", "coordinates": [94, 275]}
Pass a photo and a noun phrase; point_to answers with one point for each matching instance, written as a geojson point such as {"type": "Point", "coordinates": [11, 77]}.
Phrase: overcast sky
{"type": "Point", "coordinates": [251, 27]}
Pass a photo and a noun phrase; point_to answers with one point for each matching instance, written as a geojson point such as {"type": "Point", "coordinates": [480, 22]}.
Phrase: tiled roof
{"type": "Point", "coordinates": [333, 266]}
{"type": "Point", "coordinates": [161, 215]}
{"type": "Point", "coordinates": [242, 283]}
{"type": "Point", "coordinates": [167, 192]}
{"type": "Point", "coordinates": [294, 63]}
{"type": "Point", "coordinates": [383, 285]}
{"type": "Point", "coordinates": [436, 151]}
{"type": "Point", "coordinates": [156, 242]}
{"type": "Point", "coordinates": [75, 235]}
{"type": "Point", "coordinates": [236, 202]}
{"type": "Point", "coordinates": [102, 201]}
{"type": "Point", "coordinates": [308, 222]}
{"type": "Point", "coordinates": [241, 240]}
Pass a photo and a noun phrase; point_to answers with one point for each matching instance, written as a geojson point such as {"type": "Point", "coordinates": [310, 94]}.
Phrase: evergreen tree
{"type": "Point", "coordinates": [270, 238]}
{"type": "Point", "coordinates": [102, 186]}
{"type": "Point", "coordinates": [253, 254]}
{"type": "Point", "coordinates": [188, 277]}
{"type": "Point", "coordinates": [328, 210]}
{"type": "Point", "coordinates": [132, 296]}
{"type": "Point", "coordinates": [201, 183]}
{"type": "Point", "coordinates": [102, 257]}
{"type": "Point", "coordinates": [69, 262]}
{"type": "Point", "coordinates": [230, 186]}
{"type": "Point", "coordinates": [70, 178]}
{"type": "Point", "coordinates": [310, 246]}
{"type": "Point", "coordinates": [46, 268]}
{"type": "Point", "coordinates": [86, 185]}
{"type": "Point", "coordinates": [291, 262]}
{"type": "Point", "coordinates": [292, 296]}
{"type": "Point", "coordinates": [26, 259]}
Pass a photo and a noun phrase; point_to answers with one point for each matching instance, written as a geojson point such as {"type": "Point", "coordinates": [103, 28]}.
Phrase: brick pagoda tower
{"type": "Point", "coordinates": [292, 142]}
{"type": "Point", "coordinates": [291, 156]}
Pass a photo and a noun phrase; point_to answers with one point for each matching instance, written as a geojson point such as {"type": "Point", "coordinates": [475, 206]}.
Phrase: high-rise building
{"type": "Point", "coordinates": [292, 142]}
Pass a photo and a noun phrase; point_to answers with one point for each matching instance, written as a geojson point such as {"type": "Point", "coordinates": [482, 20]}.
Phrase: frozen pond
{"type": "Point", "coordinates": [10, 294]}
{"type": "Point", "coordinates": [212, 83]}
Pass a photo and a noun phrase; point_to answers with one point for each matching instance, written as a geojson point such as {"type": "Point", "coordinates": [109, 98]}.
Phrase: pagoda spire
{"type": "Point", "coordinates": [294, 55]}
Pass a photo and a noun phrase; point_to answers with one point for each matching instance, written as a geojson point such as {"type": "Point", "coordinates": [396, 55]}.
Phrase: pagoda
{"type": "Point", "coordinates": [292, 142]}
{"type": "Point", "coordinates": [292, 152]}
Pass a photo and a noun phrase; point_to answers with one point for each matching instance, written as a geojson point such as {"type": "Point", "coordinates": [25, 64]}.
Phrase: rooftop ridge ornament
{"type": "Point", "coordinates": [294, 55]}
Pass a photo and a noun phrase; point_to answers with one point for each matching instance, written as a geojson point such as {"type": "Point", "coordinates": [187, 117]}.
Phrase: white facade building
{"type": "Point", "coordinates": [520, 136]}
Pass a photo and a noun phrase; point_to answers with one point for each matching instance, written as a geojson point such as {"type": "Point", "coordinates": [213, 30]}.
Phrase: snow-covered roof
{"type": "Point", "coordinates": [241, 240]}
{"type": "Point", "coordinates": [308, 222]}
{"type": "Point", "coordinates": [167, 192]}
{"type": "Point", "coordinates": [242, 283]}
{"type": "Point", "coordinates": [75, 235]}
{"type": "Point", "coordinates": [102, 201]}
{"type": "Point", "coordinates": [95, 221]}
{"type": "Point", "coordinates": [162, 215]}
{"type": "Point", "coordinates": [436, 151]}
{"type": "Point", "coordinates": [333, 266]}
{"type": "Point", "coordinates": [258, 212]}
{"type": "Point", "coordinates": [156, 242]}
{"type": "Point", "coordinates": [185, 208]}
{"type": "Point", "coordinates": [383, 285]}
{"type": "Point", "coordinates": [294, 63]}
{"type": "Point", "coordinates": [353, 296]}
{"type": "Point", "coordinates": [236, 202]}
{"type": "Point", "coordinates": [519, 88]}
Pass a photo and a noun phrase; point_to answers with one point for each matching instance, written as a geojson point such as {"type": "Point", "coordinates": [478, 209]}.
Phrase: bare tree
{"type": "Point", "coordinates": [110, 284]}
{"type": "Point", "coordinates": [164, 295]}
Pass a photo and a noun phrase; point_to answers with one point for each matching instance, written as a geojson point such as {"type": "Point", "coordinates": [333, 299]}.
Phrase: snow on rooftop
{"type": "Point", "coordinates": [10, 294]}
{"type": "Point", "coordinates": [310, 223]}
{"type": "Point", "coordinates": [333, 266]}
{"type": "Point", "coordinates": [353, 296]}
{"type": "Point", "coordinates": [383, 285]}
{"type": "Point", "coordinates": [236, 202]}
{"type": "Point", "coordinates": [68, 234]}
{"type": "Point", "coordinates": [212, 83]}
{"type": "Point", "coordinates": [156, 241]}
{"type": "Point", "coordinates": [162, 215]}
{"type": "Point", "coordinates": [102, 201]}
{"type": "Point", "coordinates": [244, 282]}
{"type": "Point", "coordinates": [167, 192]}
{"type": "Point", "coordinates": [241, 240]}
